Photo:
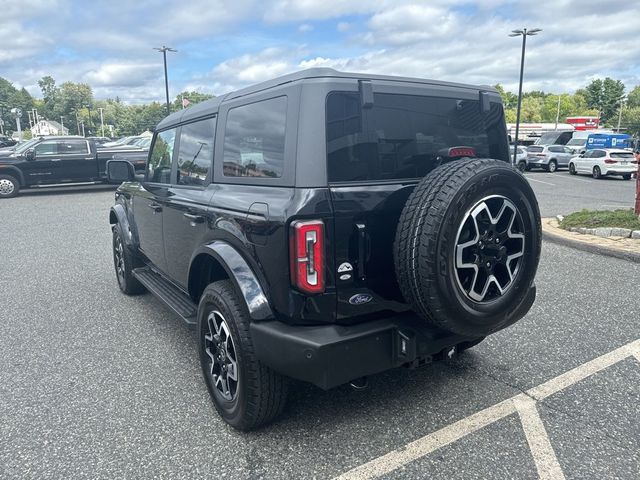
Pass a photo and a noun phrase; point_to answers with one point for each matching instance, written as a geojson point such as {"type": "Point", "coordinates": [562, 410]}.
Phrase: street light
{"type": "Point", "coordinates": [164, 51]}
{"type": "Point", "coordinates": [516, 33]}
{"type": "Point", "coordinates": [101, 120]}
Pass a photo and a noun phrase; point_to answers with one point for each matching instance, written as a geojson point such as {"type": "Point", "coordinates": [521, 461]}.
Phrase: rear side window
{"type": "Point", "coordinates": [406, 136]}
{"type": "Point", "coordinates": [159, 167]}
{"type": "Point", "coordinates": [71, 147]}
{"type": "Point", "coordinates": [195, 153]}
{"type": "Point", "coordinates": [254, 139]}
{"type": "Point", "coordinates": [556, 149]}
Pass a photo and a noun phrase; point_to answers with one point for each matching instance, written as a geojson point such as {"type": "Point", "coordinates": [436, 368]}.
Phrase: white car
{"type": "Point", "coordinates": [521, 155]}
{"type": "Point", "coordinates": [604, 161]}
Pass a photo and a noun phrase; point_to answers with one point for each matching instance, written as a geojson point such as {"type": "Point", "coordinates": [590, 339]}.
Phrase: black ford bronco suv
{"type": "Point", "coordinates": [326, 226]}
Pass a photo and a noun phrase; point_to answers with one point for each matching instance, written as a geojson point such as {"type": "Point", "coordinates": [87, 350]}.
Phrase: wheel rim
{"type": "Point", "coordinates": [489, 249]}
{"type": "Point", "coordinates": [522, 166]}
{"type": "Point", "coordinates": [6, 186]}
{"type": "Point", "coordinates": [572, 169]}
{"type": "Point", "coordinates": [596, 172]}
{"type": "Point", "coordinates": [223, 364]}
{"type": "Point", "coordinates": [118, 259]}
{"type": "Point", "coordinates": [552, 167]}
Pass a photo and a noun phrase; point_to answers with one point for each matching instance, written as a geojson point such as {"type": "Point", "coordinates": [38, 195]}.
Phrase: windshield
{"type": "Point", "coordinates": [577, 141]}
{"type": "Point", "coordinates": [24, 146]}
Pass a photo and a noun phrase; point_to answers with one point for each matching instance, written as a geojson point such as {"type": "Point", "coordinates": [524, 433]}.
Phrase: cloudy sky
{"type": "Point", "coordinates": [223, 45]}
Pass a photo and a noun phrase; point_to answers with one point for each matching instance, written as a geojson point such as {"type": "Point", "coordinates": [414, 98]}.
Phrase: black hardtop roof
{"type": "Point", "coordinates": [211, 106]}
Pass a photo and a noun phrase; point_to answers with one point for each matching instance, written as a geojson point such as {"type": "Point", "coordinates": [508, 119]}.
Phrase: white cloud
{"type": "Point", "coordinates": [122, 74]}
{"type": "Point", "coordinates": [305, 27]}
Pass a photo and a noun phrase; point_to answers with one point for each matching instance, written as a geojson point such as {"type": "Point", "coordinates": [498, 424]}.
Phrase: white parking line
{"type": "Point", "coordinates": [538, 440]}
{"type": "Point", "coordinates": [539, 181]}
{"type": "Point", "coordinates": [544, 457]}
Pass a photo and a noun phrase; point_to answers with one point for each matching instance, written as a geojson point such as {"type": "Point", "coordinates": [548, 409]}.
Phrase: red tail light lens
{"type": "Point", "coordinates": [307, 256]}
{"type": "Point", "coordinates": [609, 161]}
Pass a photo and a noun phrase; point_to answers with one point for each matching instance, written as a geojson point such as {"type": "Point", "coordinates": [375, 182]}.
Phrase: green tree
{"type": "Point", "coordinates": [630, 120]}
{"type": "Point", "coordinates": [73, 100]}
{"type": "Point", "coordinates": [11, 97]}
{"type": "Point", "coordinates": [605, 96]}
{"type": "Point", "coordinates": [633, 97]}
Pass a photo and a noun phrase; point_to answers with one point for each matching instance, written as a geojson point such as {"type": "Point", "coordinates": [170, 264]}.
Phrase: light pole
{"type": "Point", "coordinates": [61, 125]}
{"type": "Point", "coordinates": [516, 33]}
{"type": "Point", "coordinates": [101, 120]}
{"type": "Point", "coordinates": [164, 51]}
{"type": "Point", "coordinates": [620, 112]}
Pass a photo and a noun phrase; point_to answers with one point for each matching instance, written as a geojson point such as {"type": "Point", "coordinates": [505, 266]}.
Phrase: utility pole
{"type": "Point", "coordinates": [620, 116]}
{"type": "Point", "coordinates": [17, 112]}
{"type": "Point", "coordinates": [558, 113]}
{"type": "Point", "coordinates": [77, 122]}
{"type": "Point", "coordinates": [164, 51]}
{"type": "Point", "coordinates": [61, 125]}
{"type": "Point", "coordinates": [101, 120]}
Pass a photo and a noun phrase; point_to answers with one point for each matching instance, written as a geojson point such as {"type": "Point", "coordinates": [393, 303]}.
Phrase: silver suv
{"type": "Point", "coordinates": [548, 157]}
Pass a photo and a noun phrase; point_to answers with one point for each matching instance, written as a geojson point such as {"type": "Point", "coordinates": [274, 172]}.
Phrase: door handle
{"type": "Point", "coordinates": [362, 245]}
{"type": "Point", "coordinates": [194, 218]}
{"type": "Point", "coordinates": [155, 207]}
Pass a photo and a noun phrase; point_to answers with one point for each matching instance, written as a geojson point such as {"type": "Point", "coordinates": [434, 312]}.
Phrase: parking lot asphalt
{"type": "Point", "coordinates": [94, 384]}
{"type": "Point", "coordinates": [560, 193]}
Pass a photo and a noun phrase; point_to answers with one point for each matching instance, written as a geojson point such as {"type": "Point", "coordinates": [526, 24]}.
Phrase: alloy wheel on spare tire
{"type": "Point", "coordinates": [9, 186]}
{"type": "Point", "coordinates": [467, 246]}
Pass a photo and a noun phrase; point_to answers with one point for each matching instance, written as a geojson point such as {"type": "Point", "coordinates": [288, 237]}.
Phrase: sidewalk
{"type": "Point", "coordinates": [624, 248]}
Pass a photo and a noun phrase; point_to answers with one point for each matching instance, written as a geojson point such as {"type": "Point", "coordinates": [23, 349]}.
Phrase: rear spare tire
{"type": "Point", "coordinates": [467, 246]}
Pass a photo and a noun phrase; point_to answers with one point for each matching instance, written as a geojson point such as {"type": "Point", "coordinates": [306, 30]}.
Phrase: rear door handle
{"type": "Point", "coordinates": [155, 207]}
{"type": "Point", "coordinates": [194, 218]}
{"type": "Point", "coordinates": [362, 245]}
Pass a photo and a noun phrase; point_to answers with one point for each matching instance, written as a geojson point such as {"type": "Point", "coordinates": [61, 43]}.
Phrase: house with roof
{"type": "Point", "coordinates": [48, 127]}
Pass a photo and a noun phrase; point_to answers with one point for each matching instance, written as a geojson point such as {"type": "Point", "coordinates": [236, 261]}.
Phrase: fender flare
{"type": "Point", "coordinates": [118, 214]}
{"type": "Point", "coordinates": [241, 274]}
{"type": "Point", "coordinates": [14, 172]}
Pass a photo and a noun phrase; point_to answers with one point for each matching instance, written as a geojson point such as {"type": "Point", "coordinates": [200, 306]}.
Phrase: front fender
{"type": "Point", "coordinates": [242, 275]}
{"type": "Point", "coordinates": [118, 214]}
{"type": "Point", "coordinates": [14, 172]}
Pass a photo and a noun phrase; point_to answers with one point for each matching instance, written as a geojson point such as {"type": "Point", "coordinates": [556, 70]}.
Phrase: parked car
{"type": "Point", "coordinates": [99, 141]}
{"type": "Point", "coordinates": [55, 161]}
{"type": "Point", "coordinates": [326, 226]}
{"type": "Point", "coordinates": [548, 157]}
{"type": "Point", "coordinates": [6, 142]}
{"type": "Point", "coordinates": [601, 162]}
{"type": "Point", "coordinates": [521, 156]}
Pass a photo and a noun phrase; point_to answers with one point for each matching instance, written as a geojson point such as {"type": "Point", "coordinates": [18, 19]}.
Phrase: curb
{"type": "Point", "coordinates": [587, 246]}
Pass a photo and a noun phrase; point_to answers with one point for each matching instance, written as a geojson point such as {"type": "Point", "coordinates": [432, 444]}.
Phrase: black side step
{"type": "Point", "coordinates": [175, 299]}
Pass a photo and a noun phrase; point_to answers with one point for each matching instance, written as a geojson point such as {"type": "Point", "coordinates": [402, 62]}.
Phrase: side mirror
{"type": "Point", "coordinates": [119, 171]}
{"type": "Point", "coordinates": [30, 154]}
{"type": "Point", "coordinates": [581, 155]}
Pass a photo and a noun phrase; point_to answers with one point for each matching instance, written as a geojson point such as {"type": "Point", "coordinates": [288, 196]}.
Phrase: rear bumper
{"type": "Point", "coordinates": [331, 355]}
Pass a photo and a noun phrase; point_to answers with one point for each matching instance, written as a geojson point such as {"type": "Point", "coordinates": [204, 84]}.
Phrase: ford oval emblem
{"type": "Point", "coordinates": [360, 299]}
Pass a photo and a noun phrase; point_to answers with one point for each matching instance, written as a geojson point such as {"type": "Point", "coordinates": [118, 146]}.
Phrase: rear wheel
{"type": "Point", "coordinates": [9, 186]}
{"type": "Point", "coordinates": [572, 169]}
{"type": "Point", "coordinates": [245, 392]}
{"type": "Point", "coordinates": [553, 166]}
{"type": "Point", "coordinates": [627, 176]}
{"type": "Point", "coordinates": [522, 165]}
{"type": "Point", "coordinates": [467, 246]}
{"type": "Point", "coordinates": [597, 173]}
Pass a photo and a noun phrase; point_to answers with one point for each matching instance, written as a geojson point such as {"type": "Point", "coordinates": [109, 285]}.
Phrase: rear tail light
{"type": "Point", "coordinates": [307, 256]}
{"type": "Point", "coordinates": [610, 161]}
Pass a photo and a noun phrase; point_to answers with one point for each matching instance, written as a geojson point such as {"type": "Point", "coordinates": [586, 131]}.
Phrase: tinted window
{"type": "Point", "coordinates": [46, 148]}
{"type": "Point", "coordinates": [159, 167]}
{"type": "Point", "coordinates": [556, 149]}
{"type": "Point", "coordinates": [254, 139]}
{"type": "Point", "coordinates": [195, 154]}
{"type": "Point", "coordinates": [535, 149]}
{"type": "Point", "coordinates": [622, 155]}
{"type": "Point", "coordinates": [599, 153]}
{"type": "Point", "coordinates": [406, 136]}
{"type": "Point", "coordinates": [71, 147]}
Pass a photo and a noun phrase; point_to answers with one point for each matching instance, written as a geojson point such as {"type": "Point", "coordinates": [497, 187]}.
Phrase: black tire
{"type": "Point", "coordinates": [9, 186]}
{"type": "Point", "coordinates": [435, 216]}
{"type": "Point", "coordinates": [522, 165]}
{"type": "Point", "coordinates": [626, 176]}
{"type": "Point", "coordinates": [572, 169]}
{"type": "Point", "coordinates": [124, 261]}
{"type": "Point", "coordinates": [552, 167]}
{"type": "Point", "coordinates": [597, 173]}
{"type": "Point", "coordinates": [260, 393]}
